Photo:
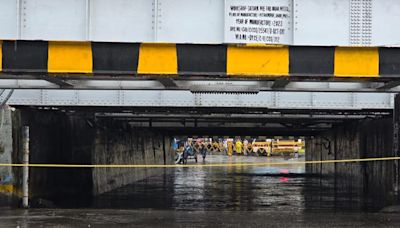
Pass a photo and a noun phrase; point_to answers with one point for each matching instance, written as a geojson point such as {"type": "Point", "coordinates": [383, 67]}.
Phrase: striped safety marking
{"type": "Point", "coordinates": [72, 57]}
{"type": "Point", "coordinates": [157, 59]}
{"type": "Point", "coordinates": [117, 58]}
{"type": "Point", "coordinates": [1, 55]}
{"type": "Point", "coordinates": [204, 59]}
{"type": "Point", "coordinates": [357, 62]}
{"type": "Point", "coordinates": [25, 56]}
{"type": "Point", "coordinates": [311, 60]}
{"type": "Point", "coordinates": [389, 61]}
{"type": "Point", "coordinates": [257, 60]}
{"type": "Point", "coordinates": [197, 59]}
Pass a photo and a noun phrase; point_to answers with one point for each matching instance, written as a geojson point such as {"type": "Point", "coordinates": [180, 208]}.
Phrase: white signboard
{"type": "Point", "coordinates": [258, 21]}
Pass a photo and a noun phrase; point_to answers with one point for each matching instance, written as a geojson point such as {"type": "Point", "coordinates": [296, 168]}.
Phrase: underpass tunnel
{"type": "Point", "coordinates": [67, 135]}
{"type": "Point", "coordinates": [179, 112]}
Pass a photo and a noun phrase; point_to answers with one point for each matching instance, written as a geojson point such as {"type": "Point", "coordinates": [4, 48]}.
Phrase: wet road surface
{"type": "Point", "coordinates": [215, 188]}
{"type": "Point", "coordinates": [170, 218]}
{"type": "Point", "coordinates": [268, 196]}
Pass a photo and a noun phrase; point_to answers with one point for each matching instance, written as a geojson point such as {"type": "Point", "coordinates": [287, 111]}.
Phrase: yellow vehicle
{"type": "Point", "coordinates": [278, 147]}
{"type": "Point", "coordinates": [262, 148]}
{"type": "Point", "coordinates": [286, 147]}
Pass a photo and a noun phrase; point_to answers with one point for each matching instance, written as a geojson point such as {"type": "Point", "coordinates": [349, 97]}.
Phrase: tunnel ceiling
{"type": "Point", "coordinates": [220, 121]}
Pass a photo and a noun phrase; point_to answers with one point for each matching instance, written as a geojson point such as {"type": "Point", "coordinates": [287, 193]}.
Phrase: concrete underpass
{"type": "Point", "coordinates": [144, 136]}
{"type": "Point", "coordinates": [194, 113]}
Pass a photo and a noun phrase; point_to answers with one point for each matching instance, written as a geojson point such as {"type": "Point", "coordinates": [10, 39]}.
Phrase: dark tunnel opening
{"type": "Point", "coordinates": [92, 136]}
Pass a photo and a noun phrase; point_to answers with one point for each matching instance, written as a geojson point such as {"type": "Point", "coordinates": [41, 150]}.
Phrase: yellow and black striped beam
{"type": "Point", "coordinates": [98, 58]}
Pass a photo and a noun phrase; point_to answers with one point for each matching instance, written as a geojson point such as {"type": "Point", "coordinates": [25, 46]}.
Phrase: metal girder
{"type": "Point", "coordinates": [234, 131]}
{"type": "Point", "coordinates": [231, 116]}
{"type": "Point", "coordinates": [61, 83]}
{"type": "Point", "coordinates": [5, 96]}
{"type": "Point", "coordinates": [199, 85]}
{"type": "Point", "coordinates": [280, 83]}
{"type": "Point", "coordinates": [389, 85]}
{"type": "Point", "coordinates": [168, 82]}
{"type": "Point", "coordinates": [178, 98]}
{"type": "Point", "coordinates": [291, 22]}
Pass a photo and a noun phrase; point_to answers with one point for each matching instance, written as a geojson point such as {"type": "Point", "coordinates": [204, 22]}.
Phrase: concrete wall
{"type": "Point", "coordinates": [77, 138]}
{"type": "Point", "coordinates": [6, 175]}
{"type": "Point", "coordinates": [117, 143]}
{"type": "Point", "coordinates": [55, 138]}
{"type": "Point", "coordinates": [360, 139]}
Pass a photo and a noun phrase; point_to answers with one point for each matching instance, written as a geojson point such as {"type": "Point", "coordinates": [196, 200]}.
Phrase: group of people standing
{"type": "Point", "coordinates": [228, 146]}
{"type": "Point", "coordinates": [201, 146]}
{"type": "Point", "coordinates": [235, 146]}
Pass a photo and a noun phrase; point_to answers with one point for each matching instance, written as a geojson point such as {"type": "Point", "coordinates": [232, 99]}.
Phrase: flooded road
{"type": "Point", "coordinates": [272, 195]}
{"type": "Point", "coordinates": [215, 188]}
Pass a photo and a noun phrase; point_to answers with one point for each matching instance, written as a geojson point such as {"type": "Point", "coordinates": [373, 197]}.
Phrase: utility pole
{"type": "Point", "coordinates": [25, 168]}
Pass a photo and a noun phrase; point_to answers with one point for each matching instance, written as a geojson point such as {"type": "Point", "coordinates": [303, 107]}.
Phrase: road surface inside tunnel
{"type": "Point", "coordinates": [269, 188]}
{"type": "Point", "coordinates": [271, 195]}
{"type": "Point", "coordinates": [232, 188]}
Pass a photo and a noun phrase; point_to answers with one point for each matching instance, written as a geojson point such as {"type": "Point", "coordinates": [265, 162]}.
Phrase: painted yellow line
{"type": "Point", "coordinates": [198, 165]}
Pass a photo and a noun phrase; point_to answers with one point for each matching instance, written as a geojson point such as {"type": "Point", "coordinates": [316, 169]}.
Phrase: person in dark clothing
{"type": "Point", "coordinates": [203, 150]}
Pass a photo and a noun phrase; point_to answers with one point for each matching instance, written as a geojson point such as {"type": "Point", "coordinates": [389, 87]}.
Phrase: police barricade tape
{"type": "Point", "coordinates": [33, 165]}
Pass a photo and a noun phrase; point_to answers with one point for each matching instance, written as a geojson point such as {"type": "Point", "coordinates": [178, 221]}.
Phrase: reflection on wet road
{"type": "Point", "coordinates": [272, 196]}
{"type": "Point", "coordinates": [215, 188]}
{"type": "Point", "coordinates": [266, 188]}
